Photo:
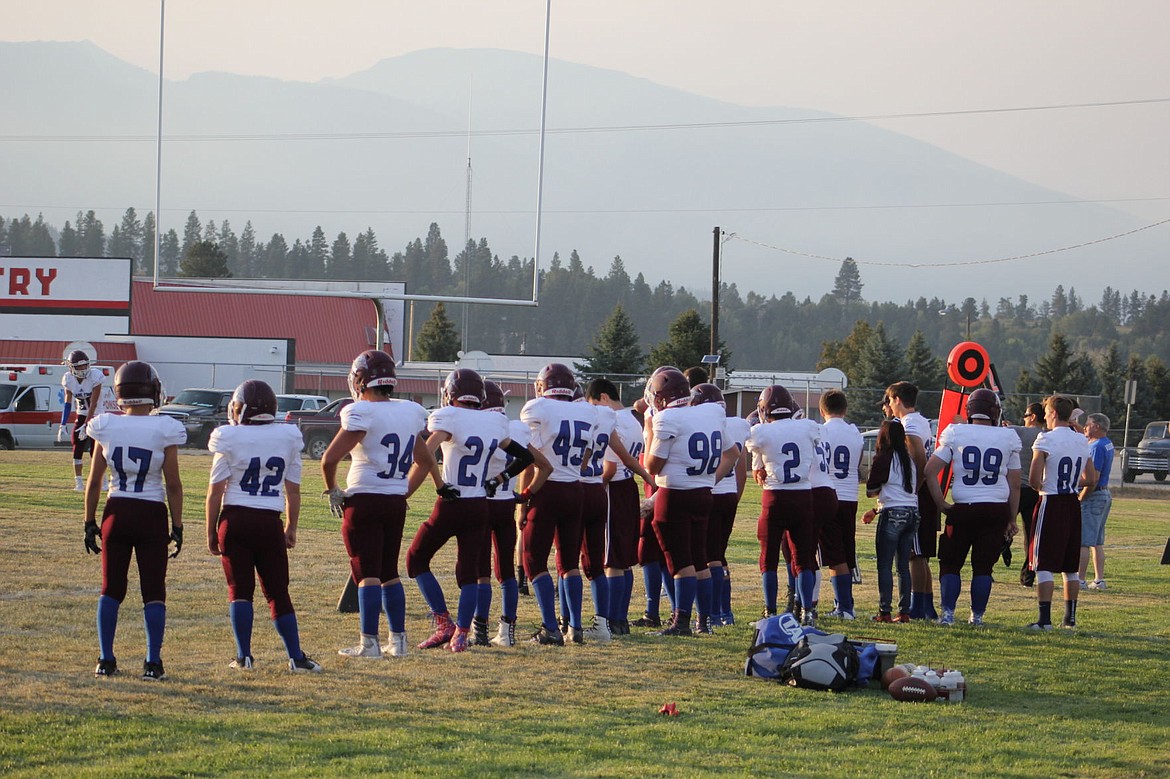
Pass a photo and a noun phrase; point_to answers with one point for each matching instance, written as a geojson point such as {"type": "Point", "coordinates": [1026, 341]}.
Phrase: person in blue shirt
{"type": "Point", "coordinates": [1096, 502]}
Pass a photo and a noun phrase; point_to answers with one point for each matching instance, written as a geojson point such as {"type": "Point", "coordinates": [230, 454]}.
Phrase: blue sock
{"type": "Point", "coordinates": [576, 592]}
{"type": "Point", "coordinates": [726, 594]}
{"type": "Point", "coordinates": [394, 604]}
{"type": "Point", "coordinates": [808, 588]}
{"type": "Point", "coordinates": [107, 625]}
{"type": "Point", "coordinates": [483, 600]}
{"type": "Point", "coordinates": [286, 626]}
{"type": "Point", "coordinates": [917, 610]}
{"type": "Point", "coordinates": [652, 578]}
{"type": "Point", "coordinates": [599, 588]}
{"type": "Point", "coordinates": [617, 598]}
{"type": "Point", "coordinates": [369, 608]}
{"type": "Point", "coordinates": [685, 588]}
{"type": "Point", "coordinates": [155, 617]}
{"type": "Point", "coordinates": [510, 595]}
{"type": "Point", "coordinates": [468, 596]}
{"type": "Point", "coordinates": [432, 592]}
{"type": "Point", "coordinates": [928, 609]}
{"type": "Point", "coordinates": [949, 587]}
{"type": "Point", "coordinates": [980, 593]}
{"type": "Point", "coordinates": [717, 590]}
{"type": "Point", "coordinates": [628, 593]}
{"type": "Point", "coordinates": [843, 586]}
{"type": "Point", "coordinates": [542, 590]}
{"type": "Point", "coordinates": [668, 585]}
{"type": "Point", "coordinates": [770, 583]}
{"type": "Point", "coordinates": [240, 612]}
{"type": "Point", "coordinates": [703, 590]}
{"type": "Point", "coordinates": [563, 598]}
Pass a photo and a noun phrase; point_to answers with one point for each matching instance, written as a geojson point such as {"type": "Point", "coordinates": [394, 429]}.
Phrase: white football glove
{"type": "Point", "coordinates": [336, 501]}
{"type": "Point", "coordinates": [81, 433]}
{"type": "Point", "coordinates": [62, 434]}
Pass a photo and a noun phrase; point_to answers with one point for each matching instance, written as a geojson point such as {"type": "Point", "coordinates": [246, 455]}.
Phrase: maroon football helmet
{"type": "Point", "coordinates": [646, 396]}
{"type": "Point", "coordinates": [669, 388]}
{"type": "Point", "coordinates": [493, 396]}
{"type": "Point", "coordinates": [253, 403]}
{"type": "Point", "coordinates": [984, 404]}
{"type": "Point", "coordinates": [776, 402]}
{"type": "Point", "coordinates": [463, 385]}
{"type": "Point", "coordinates": [78, 363]}
{"type": "Point", "coordinates": [372, 368]}
{"type": "Point", "coordinates": [556, 380]}
{"type": "Point", "coordinates": [137, 383]}
{"type": "Point", "coordinates": [706, 393]}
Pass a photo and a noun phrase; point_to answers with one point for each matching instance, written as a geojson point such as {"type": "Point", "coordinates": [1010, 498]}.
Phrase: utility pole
{"type": "Point", "coordinates": [715, 292]}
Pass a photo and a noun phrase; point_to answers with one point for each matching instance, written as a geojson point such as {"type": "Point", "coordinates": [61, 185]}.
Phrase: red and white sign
{"type": "Point", "coordinates": [64, 298]}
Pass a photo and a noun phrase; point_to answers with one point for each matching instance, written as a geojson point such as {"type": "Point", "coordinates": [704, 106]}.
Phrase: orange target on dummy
{"type": "Point", "coordinates": [967, 364]}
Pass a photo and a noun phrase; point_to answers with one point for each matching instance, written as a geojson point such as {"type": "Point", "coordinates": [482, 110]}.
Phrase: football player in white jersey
{"type": "Point", "coordinates": [985, 494]}
{"type": "Point", "coordinates": [841, 446]}
{"type": "Point", "coordinates": [468, 438]}
{"type": "Point", "coordinates": [255, 474]}
{"type": "Point", "coordinates": [563, 432]}
{"type": "Point", "coordinates": [142, 450]}
{"type": "Point", "coordinates": [621, 535]}
{"type": "Point", "coordinates": [83, 391]}
{"type": "Point", "coordinates": [502, 521]}
{"type": "Point", "coordinates": [382, 434]}
{"type": "Point", "coordinates": [730, 478]}
{"type": "Point", "coordinates": [684, 456]}
{"type": "Point", "coordinates": [1061, 467]}
{"type": "Point", "coordinates": [901, 401]}
{"type": "Point", "coordinates": [784, 450]}
{"type": "Point", "coordinates": [595, 516]}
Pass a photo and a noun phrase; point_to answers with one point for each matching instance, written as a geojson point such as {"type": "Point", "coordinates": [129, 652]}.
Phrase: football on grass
{"type": "Point", "coordinates": [910, 689]}
{"type": "Point", "coordinates": [895, 672]}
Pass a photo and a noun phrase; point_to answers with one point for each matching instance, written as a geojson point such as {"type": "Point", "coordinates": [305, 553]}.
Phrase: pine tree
{"type": "Point", "coordinates": [341, 259]}
{"type": "Point", "coordinates": [437, 339]}
{"type": "Point", "coordinates": [192, 233]}
{"type": "Point", "coordinates": [847, 286]}
{"type": "Point", "coordinates": [1054, 369]}
{"type": "Point", "coordinates": [438, 266]}
{"type": "Point", "coordinates": [923, 369]}
{"type": "Point", "coordinates": [68, 242]}
{"type": "Point", "coordinates": [1059, 306]}
{"type": "Point", "coordinates": [92, 234]}
{"type": "Point", "coordinates": [169, 254]}
{"type": "Point", "coordinates": [146, 261]}
{"type": "Point", "coordinates": [231, 247]}
{"type": "Point", "coordinates": [687, 341]}
{"type": "Point", "coordinates": [318, 254]}
{"type": "Point", "coordinates": [615, 349]}
{"type": "Point", "coordinates": [205, 260]}
{"type": "Point", "coordinates": [845, 355]}
{"type": "Point", "coordinates": [1112, 373]}
{"type": "Point", "coordinates": [247, 261]}
{"type": "Point", "coordinates": [1158, 381]}
{"type": "Point", "coordinates": [880, 362]}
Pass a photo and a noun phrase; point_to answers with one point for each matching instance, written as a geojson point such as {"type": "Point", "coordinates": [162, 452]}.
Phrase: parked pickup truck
{"type": "Point", "coordinates": [1152, 454]}
{"type": "Point", "coordinates": [319, 427]}
{"type": "Point", "coordinates": [200, 411]}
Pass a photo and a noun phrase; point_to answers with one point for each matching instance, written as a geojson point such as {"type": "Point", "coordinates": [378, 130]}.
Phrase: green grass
{"type": "Point", "coordinates": [1089, 703]}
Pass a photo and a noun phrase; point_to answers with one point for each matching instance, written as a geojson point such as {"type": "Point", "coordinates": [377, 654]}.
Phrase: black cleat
{"type": "Point", "coordinates": [153, 672]}
{"type": "Point", "coordinates": [647, 621]}
{"type": "Point", "coordinates": [106, 669]}
{"type": "Point", "coordinates": [546, 637]}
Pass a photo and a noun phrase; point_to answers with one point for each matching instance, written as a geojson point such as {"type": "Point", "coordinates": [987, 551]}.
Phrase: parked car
{"type": "Point", "coordinates": [1152, 454]}
{"type": "Point", "coordinates": [287, 404]}
{"type": "Point", "coordinates": [200, 411]}
{"type": "Point", "coordinates": [319, 427]}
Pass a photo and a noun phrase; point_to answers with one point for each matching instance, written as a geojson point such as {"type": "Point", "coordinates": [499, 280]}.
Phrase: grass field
{"type": "Point", "coordinates": [1086, 703]}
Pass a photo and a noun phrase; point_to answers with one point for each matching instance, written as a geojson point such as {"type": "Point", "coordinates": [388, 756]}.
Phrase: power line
{"type": "Point", "coordinates": [426, 134]}
{"type": "Point", "coordinates": [956, 264]}
{"type": "Point", "coordinates": [608, 211]}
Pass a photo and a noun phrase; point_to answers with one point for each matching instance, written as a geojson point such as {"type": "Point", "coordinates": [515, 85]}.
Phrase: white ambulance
{"type": "Point", "coordinates": [31, 397]}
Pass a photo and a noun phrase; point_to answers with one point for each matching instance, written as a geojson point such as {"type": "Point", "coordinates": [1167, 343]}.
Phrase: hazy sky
{"type": "Point", "coordinates": [860, 58]}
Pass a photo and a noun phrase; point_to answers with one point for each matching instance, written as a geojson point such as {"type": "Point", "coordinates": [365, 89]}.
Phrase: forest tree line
{"type": "Point", "coordinates": [1090, 346]}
